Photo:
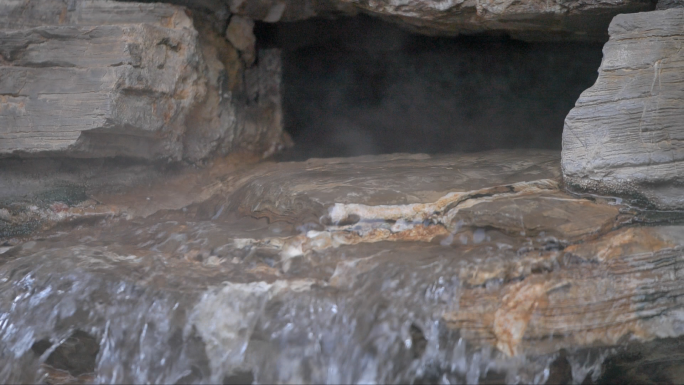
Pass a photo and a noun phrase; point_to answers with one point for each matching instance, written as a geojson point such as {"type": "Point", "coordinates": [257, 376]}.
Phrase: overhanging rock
{"type": "Point", "coordinates": [532, 20]}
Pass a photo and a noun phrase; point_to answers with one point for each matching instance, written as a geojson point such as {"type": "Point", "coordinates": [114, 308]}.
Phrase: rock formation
{"type": "Point", "coordinates": [667, 4]}
{"type": "Point", "coordinates": [98, 78]}
{"type": "Point", "coordinates": [527, 20]}
{"type": "Point", "coordinates": [625, 135]}
{"type": "Point", "coordinates": [156, 81]}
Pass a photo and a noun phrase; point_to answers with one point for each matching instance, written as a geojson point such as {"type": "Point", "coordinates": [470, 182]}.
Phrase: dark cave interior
{"type": "Point", "coordinates": [359, 85]}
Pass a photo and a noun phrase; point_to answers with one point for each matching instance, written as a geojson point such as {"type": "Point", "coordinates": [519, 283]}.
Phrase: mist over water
{"type": "Point", "coordinates": [357, 86]}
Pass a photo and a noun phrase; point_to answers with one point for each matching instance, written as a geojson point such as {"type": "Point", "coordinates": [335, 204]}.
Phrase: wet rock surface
{"type": "Point", "coordinates": [37, 194]}
{"type": "Point", "coordinates": [624, 135]}
{"type": "Point", "coordinates": [102, 79]}
{"type": "Point", "coordinates": [398, 268]}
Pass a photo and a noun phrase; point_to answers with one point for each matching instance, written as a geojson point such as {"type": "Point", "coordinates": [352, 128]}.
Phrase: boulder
{"type": "Point", "coordinates": [102, 79]}
{"type": "Point", "coordinates": [625, 135]}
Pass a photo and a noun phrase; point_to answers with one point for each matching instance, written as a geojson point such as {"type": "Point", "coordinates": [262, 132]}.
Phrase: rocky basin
{"type": "Point", "coordinates": [397, 268]}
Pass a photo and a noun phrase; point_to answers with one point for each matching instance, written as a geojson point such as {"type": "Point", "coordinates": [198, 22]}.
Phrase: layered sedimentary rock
{"type": "Point", "coordinates": [398, 268]}
{"type": "Point", "coordinates": [626, 133]}
{"type": "Point", "coordinates": [527, 20]}
{"type": "Point", "coordinates": [98, 78]}
{"type": "Point", "coordinates": [667, 4]}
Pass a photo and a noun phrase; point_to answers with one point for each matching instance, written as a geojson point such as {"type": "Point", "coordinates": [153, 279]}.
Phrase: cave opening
{"type": "Point", "coordinates": [359, 85]}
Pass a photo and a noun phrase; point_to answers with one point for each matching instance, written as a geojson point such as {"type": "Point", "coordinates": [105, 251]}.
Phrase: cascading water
{"type": "Point", "coordinates": [158, 326]}
{"type": "Point", "coordinates": [202, 295]}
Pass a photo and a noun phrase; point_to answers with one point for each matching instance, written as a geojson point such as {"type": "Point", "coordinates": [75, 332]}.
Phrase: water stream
{"type": "Point", "coordinates": [202, 295]}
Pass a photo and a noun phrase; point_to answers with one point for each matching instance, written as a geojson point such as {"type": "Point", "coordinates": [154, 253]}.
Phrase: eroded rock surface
{"type": "Point", "coordinates": [625, 134]}
{"type": "Point", "coordinates": [395, 268]}
{"type": "Point", "coordinates": [527, 20]}
{"type": "Point", "coordinates": [100, 79]}
{"type": "Point", "coordinates": [667, 4]}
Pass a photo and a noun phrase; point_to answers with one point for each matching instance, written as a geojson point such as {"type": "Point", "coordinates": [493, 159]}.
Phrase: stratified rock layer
{"type": "Point", "coordinates": [626, 133]}
{"type": "Point", "coordinates": [99, 78]}
{"type": "Point", "coordinates": [526, 20]}
{"type": "Point", "coordinates": [532, 20]}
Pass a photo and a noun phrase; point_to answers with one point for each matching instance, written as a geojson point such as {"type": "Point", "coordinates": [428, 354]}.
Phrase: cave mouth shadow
{"type": "Point", "coordinates": [359, 85]}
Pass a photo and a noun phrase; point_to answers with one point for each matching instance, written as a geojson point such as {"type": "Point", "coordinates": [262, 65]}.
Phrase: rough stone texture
{"type": "Point", "coordinates": [667, 4]}
{"type": "Point", "coordinates": [625, 135]}
{"type": "Point", "coordinates": [99, 78]}
{"type": "Point", "coordinates": [609, 283]}
{"type": "Point", "coordinates": [527, 20]}
{"type": "Point", "coordinates": [240, 33]}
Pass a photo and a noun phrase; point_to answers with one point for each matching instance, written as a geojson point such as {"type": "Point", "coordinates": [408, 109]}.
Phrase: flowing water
{"type": "Point", "coordinates": [207, 294]}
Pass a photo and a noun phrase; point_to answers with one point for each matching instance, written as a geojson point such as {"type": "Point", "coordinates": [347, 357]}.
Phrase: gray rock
{"type": "Point", "coordinates": [526, 20]}
{"type": "Point", "coordinates": [17, 14]}
{"type": "Point", "coordinates": [584, 20]}
{"type": "Point", "coordinates": [98, 78]}
{"type": "Point", "coordinates": [667, 4]}
{"type": "Point", "coordinates": [625, 134]}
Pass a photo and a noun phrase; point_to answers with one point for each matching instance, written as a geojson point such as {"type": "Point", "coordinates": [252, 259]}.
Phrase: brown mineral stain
{"type": "Point", "coordinates": [264, 272]}
{"type": "Point", "coordinates": [63, 15]}
{"type": "Point", "coordinates": [622, 242]}
{"type": "Point", "coordinates": [516, 309]}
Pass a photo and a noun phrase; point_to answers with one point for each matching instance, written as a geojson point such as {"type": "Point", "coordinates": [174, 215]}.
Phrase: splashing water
{"type": "Point", "coordinates": [216, 293]}
{"type": "Point", "coordinates": [160, 319]}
